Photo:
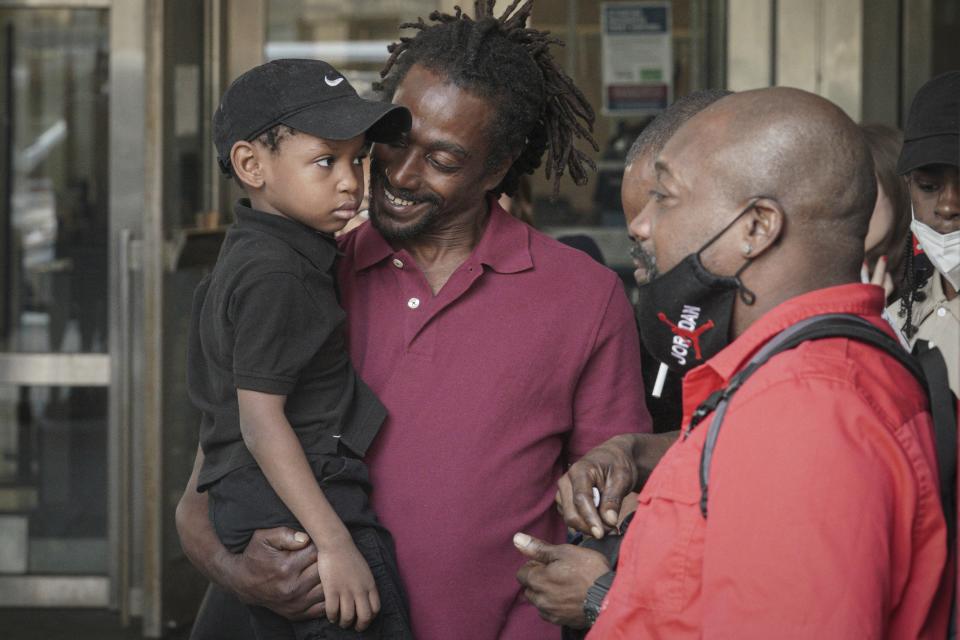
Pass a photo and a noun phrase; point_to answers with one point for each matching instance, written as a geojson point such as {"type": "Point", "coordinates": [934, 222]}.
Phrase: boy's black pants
{"type": "Point", "coordinates": [243, 501]}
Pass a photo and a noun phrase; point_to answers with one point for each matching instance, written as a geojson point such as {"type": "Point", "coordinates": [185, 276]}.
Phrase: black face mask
{"type": "Point", "coordinates": [684, 315]}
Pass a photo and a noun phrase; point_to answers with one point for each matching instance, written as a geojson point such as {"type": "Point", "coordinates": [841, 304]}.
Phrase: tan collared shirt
{"type": "Point", "coordinates": [938, 320]}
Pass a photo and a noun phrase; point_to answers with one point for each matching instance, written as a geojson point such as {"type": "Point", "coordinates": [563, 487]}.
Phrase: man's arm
{"type": "Point", "coordinates": [557, 577]}
{"type": "Point", "coordinates": [608, 401]}
{"type": "Point", "coordinates": [277, 570]}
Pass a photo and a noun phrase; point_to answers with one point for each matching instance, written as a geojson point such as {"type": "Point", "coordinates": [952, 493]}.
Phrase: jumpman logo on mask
{"type": "Point", "coordinates": [692, 336]}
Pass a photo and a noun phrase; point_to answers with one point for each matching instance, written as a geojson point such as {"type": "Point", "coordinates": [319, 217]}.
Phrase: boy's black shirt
{"type": "Point", "coordinates": [267, 319]}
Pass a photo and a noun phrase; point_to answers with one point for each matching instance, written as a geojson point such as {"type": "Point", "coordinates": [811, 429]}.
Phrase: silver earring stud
{"type": "Point", "coordinates": [747, 249]}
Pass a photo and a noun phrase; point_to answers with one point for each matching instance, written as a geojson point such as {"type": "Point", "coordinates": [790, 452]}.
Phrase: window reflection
{"type": "Point", "coordinates": [54, 200]}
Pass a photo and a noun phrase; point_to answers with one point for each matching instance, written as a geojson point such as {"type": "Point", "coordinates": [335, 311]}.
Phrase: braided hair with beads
{"type": "Point", "coordinates": [915, 276]}
{"type": "Point", "coordinates": [537, 106]}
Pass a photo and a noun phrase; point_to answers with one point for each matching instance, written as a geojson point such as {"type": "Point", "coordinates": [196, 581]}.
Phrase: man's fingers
{"type": "Point", "coordinates": [523, 573]}
{"type": "Point", "coordinates": [299, 561]}
{"type": "Point", "coordinates": [568, 509]}
{"type": "Point", "coordinates": [618, 485]}
{"type": "Point", "coordinates": [319, 610]}
{"type": "Point", "coordinates": [309, 574]}
{"type": "Point", "coordinates": [533, 597]}
{"type": "Point", "coordinates": [582, 486]}
{"type": "Point", "coordinates": [610, 511]}
{"type": "Point", "coordinates": [534, 548]}
{"type": "Point", "coordinates": [374, 602]}
{"type": "Point", "coordinates": [294, 546]}
{"type": "Point", "coordinates": [564, 492]}
{"type": "Point", "coordinates": [284, 539]}
{"type": "Point", "coordinates": [316, 607]}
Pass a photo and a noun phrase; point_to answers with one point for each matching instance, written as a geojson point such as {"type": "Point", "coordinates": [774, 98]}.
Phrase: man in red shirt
{"type": "Point", "coordinates": [500, 354]}
{"type": "Point", "coordinates": [824, 517]}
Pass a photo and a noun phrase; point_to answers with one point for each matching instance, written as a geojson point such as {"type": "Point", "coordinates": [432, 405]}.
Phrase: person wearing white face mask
{"type": "Point", "coordinates": [930, 308]}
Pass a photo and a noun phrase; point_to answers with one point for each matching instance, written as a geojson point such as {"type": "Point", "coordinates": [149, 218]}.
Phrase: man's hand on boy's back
{"type": "Point", "coordinates": [278, 570]}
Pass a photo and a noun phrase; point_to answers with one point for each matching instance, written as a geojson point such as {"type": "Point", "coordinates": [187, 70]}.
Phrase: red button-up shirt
{"type": "Point", "coordinates": [527, 358]}
{"type": "Point", "coordinates": [824, 516]}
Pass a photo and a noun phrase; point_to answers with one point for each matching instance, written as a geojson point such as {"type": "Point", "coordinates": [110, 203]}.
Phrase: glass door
{"type": "Point", "coordinates": [54, 361]}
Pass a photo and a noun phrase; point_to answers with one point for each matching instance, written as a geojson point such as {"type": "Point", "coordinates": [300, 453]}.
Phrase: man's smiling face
{"type": "Point", "coordinates": [436, 176]}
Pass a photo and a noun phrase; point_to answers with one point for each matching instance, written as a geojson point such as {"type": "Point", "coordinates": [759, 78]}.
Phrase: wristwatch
{"type": "Point", "coordinates": [595, 595]}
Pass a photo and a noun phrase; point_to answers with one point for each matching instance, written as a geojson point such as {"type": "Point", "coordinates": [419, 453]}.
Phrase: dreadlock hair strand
{"type": "Point", "coordinates": [537, 107]}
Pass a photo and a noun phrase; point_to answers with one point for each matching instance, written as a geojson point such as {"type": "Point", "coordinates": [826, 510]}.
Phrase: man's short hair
{"type": "Point", "coordinates": [655, 135]}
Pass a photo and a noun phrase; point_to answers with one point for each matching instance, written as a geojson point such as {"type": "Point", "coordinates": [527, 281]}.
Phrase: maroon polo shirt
{"type": "Point", "coordinates": [526, 359]}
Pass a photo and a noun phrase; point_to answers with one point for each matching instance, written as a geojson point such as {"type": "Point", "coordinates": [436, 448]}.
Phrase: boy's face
{"type": "Point", "coordinates": [314, 181]}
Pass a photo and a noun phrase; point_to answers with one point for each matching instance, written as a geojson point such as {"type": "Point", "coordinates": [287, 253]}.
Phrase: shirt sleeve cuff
{"type": "Point", "coordinates": [263, 384]}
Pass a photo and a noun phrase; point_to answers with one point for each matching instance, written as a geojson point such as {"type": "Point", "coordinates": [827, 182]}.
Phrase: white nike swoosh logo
{"type": "Point", "coordinates": [332, 83]}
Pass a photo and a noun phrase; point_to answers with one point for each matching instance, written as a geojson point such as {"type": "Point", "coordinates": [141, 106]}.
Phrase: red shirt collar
{"type": "Point", "coordinates": [857, 299]}
{"type": "Point", "coordinates": [504, 245]}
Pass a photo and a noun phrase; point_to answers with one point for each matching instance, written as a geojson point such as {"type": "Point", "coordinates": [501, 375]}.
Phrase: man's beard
{"type": "Point", "coordinates": [385, 225]}
{"type": "Point", "coordinates": [647, 262]}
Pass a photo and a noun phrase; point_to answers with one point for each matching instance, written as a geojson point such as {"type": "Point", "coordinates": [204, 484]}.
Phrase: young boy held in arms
{"type": "Point", "coordinates": [286, 419]}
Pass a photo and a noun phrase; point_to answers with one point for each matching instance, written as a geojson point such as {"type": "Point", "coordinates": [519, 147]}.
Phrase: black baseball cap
{"type": "Point", "coordinates": [932, 134]}
{"type": "Point", "coordinates": [307, 95]}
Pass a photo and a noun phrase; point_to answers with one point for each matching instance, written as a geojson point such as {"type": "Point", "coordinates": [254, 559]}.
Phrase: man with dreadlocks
{"type": "Point", "coordinates": [500, 354]}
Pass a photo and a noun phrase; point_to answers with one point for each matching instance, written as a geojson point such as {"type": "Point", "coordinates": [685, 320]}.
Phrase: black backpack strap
{"type": "Point", "coordinates": [943, 406]}
{"type": "Point", "coordinates": [813, 328]}
{"type": "Point", "coordinates": [944, 410]}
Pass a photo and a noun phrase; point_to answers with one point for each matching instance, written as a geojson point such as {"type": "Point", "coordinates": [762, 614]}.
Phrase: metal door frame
{"type": "Point", "coordinates": [136, 286]}
{"type": "Point", "coordinates": [59, 369]}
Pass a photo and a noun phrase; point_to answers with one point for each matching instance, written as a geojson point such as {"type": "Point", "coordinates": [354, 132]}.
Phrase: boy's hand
{"type": "Point", "coordinates": [348, 586]}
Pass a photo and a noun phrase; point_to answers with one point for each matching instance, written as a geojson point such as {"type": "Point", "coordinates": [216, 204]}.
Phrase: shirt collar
{"type": "Point", "coordinates": [857, 299]}
{"type": "Point", "coordinates": [936, 298]}
{"type": "Point", "coordinates": [319, 248]}
{"type": "Point", "coordinates": [504, 245]}
{"type": "Point", "coordinates": [369, 248]}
